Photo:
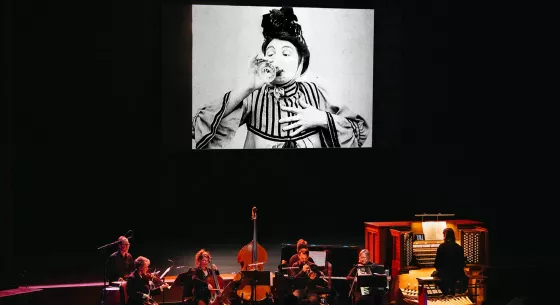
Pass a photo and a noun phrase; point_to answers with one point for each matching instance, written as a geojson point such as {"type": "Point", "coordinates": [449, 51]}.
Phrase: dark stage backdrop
{"type": "Point", "coordinates": [100, 112]}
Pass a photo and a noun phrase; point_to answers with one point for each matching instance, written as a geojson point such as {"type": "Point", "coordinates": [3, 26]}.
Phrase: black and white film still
{"type": "Point", "coordinates": [281, 77]}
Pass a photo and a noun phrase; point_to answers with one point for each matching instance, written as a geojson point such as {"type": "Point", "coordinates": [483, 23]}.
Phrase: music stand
{"type": "Point", "coordinates": [282, 286]}
{"type": "Point", "coordinates": [282, 283]}
{"type": "Point", "coordinates": [367, 281]}
{"type": "Point", "coordinates": [254, 279]}
{"type": "Point", "coordinates": [180, 281]}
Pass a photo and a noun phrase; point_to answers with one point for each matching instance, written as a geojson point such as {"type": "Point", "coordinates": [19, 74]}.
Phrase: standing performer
{"type": "Point", "coordinates": [120, 263]}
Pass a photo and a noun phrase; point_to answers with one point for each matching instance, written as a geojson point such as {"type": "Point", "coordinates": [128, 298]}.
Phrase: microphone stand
{"type": "Point", "coordinates": [104, 289]}
{"type": "Point", "coordinates": [103, 294]}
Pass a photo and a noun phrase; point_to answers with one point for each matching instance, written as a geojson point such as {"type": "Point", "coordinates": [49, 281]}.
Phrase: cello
{"type": "Point", "coordinates": [252, 257]}
{"type": "Point", "coordinates": [218, 295]}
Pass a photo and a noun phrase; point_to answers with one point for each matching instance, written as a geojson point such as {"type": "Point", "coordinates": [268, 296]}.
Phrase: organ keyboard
{"type": "Point", "coordinates": [425, 252]}
{"type": "Point", "coordinates": [433, 295]}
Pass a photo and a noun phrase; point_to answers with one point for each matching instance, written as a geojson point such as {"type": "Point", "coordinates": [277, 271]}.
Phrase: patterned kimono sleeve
{"type": "Point", "coordinates": [212, 129]}
{"type": "Point", "coordinates": [345, 128]}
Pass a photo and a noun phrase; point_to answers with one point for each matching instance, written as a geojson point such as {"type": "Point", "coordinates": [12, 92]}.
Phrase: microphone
{"type": "Point", "coordinates": [131, 235]}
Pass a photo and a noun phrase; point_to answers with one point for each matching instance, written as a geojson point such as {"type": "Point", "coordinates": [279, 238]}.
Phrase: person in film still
{"type": "Point", "coordinates": [279, 109]}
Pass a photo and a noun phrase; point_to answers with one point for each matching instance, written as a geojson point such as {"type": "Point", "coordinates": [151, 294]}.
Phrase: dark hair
{"type": "Point", "coordinates": [449, 235]}
{"type": "Point", "coordinates": [301, 245]}
{"type": "Point", "coordinates": [281, 24]}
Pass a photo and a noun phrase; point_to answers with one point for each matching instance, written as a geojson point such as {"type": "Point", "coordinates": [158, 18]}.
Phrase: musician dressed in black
{"type": "Point", "coordinates": [363, 295]}
{"type": "Point", "coordinates": [301, 244]}
{"type": "Point", "coordinates": [308, 279]}
{"type": "Point", "coordinates": [138, 285]}
{"type": "Point", "coordinates": [450, 264]}
{"type": "Point", "coordinates": [196, 289]}
{"type": "Point", "coordinates": [120, 264]}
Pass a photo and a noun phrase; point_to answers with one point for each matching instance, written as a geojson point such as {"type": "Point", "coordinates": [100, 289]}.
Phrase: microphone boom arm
{"type": "Point", "coordinates": [117, 241]}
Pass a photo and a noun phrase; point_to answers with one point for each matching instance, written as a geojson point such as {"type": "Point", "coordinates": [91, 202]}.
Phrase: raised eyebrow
{"type": "Point", "coordinates": [287, 47]}
{"type": "Point", "coordinates": [271, 47]}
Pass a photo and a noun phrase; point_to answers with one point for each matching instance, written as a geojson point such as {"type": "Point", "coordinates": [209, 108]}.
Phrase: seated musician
{"type": "Point", "coordinates": [138, 285]}
{"type": "Point", "coordinates": [362, 295]}
{"type": "Point", "coordinates": [120, 264]}
{"type": "Point", "coordinates": [314, 284]}
{"type": "Point", "coordinates": [450, 264]}
{"type": "Point", "coordinates": [196, 290]}
{"type": "Point", "coordinates": [301, 244]}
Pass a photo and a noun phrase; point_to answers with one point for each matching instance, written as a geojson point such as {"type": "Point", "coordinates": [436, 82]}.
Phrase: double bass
{"type": "Point", "coordinates": [252, 257]}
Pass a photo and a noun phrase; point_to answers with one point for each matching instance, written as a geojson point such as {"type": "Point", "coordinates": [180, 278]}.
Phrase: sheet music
{"type": "Point", "coordinates": [433, 230]}
{"type": "Point", "coordinates": [319, 257]}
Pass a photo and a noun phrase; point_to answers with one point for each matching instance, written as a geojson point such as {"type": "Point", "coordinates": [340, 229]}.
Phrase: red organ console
{"type": "Point", "coordinates": [409, 248]}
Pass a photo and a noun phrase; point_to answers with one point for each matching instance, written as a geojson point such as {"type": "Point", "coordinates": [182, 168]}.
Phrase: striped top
{"type": "Point", "coordinates": [260, 111]}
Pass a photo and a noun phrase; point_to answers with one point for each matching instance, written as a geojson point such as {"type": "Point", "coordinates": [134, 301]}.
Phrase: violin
{"type": "Point", "coordinates": [155, 279]}
{"type": "Point", "coordinates": [158, 280]}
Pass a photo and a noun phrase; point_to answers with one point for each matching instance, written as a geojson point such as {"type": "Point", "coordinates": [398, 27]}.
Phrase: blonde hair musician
{"type": "Point", "coordinates": [138, 283]}
{"type": "Point", "coordinates": [361, 295]}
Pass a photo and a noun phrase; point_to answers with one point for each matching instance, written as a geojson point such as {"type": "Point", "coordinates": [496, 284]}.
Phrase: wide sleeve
{"type": "Point", "coordinates": [212, 129]}
{"type": "Point", "coordinates": [345, 128]}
